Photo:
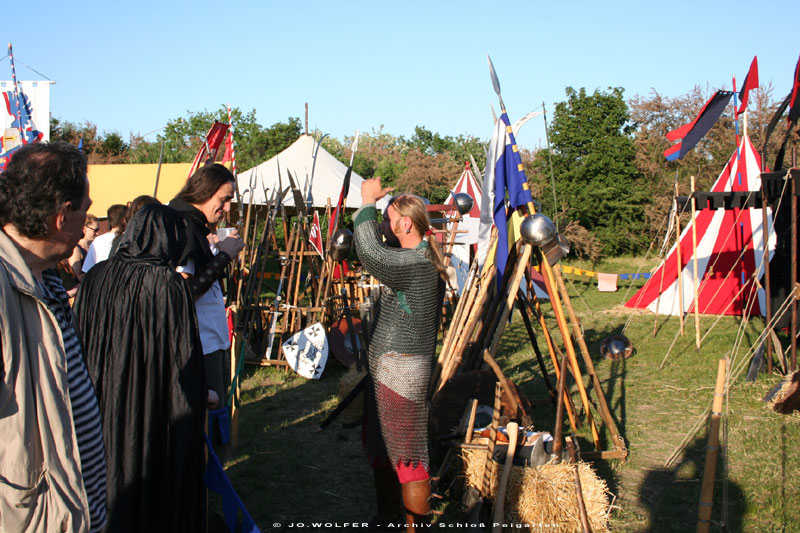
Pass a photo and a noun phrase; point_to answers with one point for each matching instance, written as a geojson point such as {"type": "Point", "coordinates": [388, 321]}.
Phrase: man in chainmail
{"type": "Point", "coordinates": [401, 351]}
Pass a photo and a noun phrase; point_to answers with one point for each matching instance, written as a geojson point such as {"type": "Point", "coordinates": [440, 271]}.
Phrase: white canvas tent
{"type": "Point", "coordinates": [299, 159]}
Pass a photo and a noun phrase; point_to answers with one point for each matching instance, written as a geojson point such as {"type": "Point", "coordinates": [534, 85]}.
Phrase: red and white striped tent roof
{"type": "Point", "coordinates": [730, 251]}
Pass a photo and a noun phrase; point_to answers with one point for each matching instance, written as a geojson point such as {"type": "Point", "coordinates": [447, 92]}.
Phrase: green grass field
{"type": "Point", "coordinates": [288, 475]}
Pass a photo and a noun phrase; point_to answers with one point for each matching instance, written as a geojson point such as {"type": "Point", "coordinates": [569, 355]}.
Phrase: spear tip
{"type": "Point", "coordinates": [493, 74]}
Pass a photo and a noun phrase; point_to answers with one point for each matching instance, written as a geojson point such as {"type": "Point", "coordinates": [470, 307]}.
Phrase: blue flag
{"type": "Point", "coordinates": [691, 133]}
{"type": "Point", "coordinates": [22, 130]}
{"type": "Point", "coordinates": [504, 174]}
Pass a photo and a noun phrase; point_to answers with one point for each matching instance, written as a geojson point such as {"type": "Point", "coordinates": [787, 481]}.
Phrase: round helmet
{"type": "Point", "coordinates": [537, 230]}
{"type": "Point", "coordinates": [341, 244]}
{"type": "Point", "coordinates": [463, 202]}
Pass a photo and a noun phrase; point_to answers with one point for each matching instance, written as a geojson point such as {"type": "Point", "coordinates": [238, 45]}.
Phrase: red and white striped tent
{"type": "Point", "coordinates": [730, 251]}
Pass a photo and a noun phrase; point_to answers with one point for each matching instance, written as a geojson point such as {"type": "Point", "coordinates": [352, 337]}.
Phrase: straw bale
{"type": "Point", "coordinates": [787, 398]}
{"type": "Point", "coordinates": [544, 494]}
{"type": "Point", "coordinates": [352, 413]}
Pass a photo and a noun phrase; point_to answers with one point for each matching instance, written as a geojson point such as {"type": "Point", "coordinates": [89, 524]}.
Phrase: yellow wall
{"type": "Point", "coordinates": [119, 184]}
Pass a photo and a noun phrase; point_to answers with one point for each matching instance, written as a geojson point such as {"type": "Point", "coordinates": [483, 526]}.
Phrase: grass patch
{"type": "Point", "coordinates": [286, 473]}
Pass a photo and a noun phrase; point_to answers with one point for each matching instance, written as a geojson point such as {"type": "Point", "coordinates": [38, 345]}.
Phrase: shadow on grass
{"type": "Point", "coordinates": [288, 474]}
{"type": "Point", "coordinates": [664, 492]}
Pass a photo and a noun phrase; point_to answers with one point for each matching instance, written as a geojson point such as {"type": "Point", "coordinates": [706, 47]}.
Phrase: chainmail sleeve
{"type": "Point", "coordinates": [402, 343]}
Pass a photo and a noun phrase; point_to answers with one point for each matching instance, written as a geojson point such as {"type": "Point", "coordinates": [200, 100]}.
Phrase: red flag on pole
{"type": "Point", "coordinates": [750, 82]}
{"type": "Point", "coordinates": [315, 235]}
{"type": "Point", "coordinates": [227, 157]}
{"type": "Point", "coordinates": [208, 150]}
{"type": "Point", "coordinates": [794, 101]}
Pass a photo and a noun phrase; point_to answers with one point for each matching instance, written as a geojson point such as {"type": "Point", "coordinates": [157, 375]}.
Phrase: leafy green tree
{"type": "Point", "coordinates": [597, 182]}
{"type": "Point", "coordinates": [182, 138]}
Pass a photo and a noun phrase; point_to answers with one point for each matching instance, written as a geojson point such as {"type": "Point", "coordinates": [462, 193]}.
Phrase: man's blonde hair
{"type": "Point", "coordinates": [411, 206]}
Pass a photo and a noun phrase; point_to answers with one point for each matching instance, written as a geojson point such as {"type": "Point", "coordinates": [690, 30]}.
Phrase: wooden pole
{"type": "Point", "coordinates": [712, 450]}
{"type": "Point", "coordinates": [694, 269]}
{"type": "Point", "coordinates": [793, 276]}
{"type": "Point", "coordinates": [523, 311]}
{"type": "Point", "coordinates": [488, 468]}
{"type": "Point", "coordinates": [585, 527]}
{"type": "Point", "coordinates": [793, 251]}
{"type": "Point", "coordinates": [680, 259]}
{"type": "Point", "coordinates": [569, 348]}
{"type": "Point", "coordinates": [471, 423]}
{"type": "Point", "coordinates": [765, 262]}
{"type": "Point", "coordinates": [561, 391]}
{"type": "Point", "coordinates": [511, 294]}
{"type": "Point", "coordinates": [577, 332]}
{"type": "Point", "coordinates": [554, 351]}
{"type": "Point", "coordinates": [499, 501]}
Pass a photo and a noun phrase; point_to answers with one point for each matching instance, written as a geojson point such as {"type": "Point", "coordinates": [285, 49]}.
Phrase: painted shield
{"type": "Point", "coordinates": [307, 351]}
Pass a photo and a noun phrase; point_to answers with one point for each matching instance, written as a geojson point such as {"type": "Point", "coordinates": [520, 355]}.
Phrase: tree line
{"type": "Point", "coordinates": [603, 178]}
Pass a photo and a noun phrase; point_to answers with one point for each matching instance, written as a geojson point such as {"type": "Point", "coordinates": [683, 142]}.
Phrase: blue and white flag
{"type": "Point", "coordinates": [22, 130]}
{"type": "Point", "coordinates": [504, 173]}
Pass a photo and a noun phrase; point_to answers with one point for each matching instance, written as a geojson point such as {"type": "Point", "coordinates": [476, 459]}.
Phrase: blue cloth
{"type": "Point", "coordinates": [222, 418]}
{"type": "Point", "coordinates": [216, 480]}
{"type": "Point", "coordinates": [508, 176]}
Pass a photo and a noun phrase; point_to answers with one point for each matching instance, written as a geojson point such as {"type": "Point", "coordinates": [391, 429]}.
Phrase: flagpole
{"type": "Point", "coordinates": [233, 142]}
{"type": "Point", "coordinates": [16, 95]}
{"type": "Point", "coordinates": [694, 267]}
{"type": "Point", "coordinates": [550, 160]}
{"type": "Point", "coordinates": [549, 276]}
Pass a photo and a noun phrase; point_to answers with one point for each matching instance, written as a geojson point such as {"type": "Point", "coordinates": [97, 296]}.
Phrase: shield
{"type": "Point", "coordinates": [307, 351]}
{"type": "Point", "coordinates": [339, 340]}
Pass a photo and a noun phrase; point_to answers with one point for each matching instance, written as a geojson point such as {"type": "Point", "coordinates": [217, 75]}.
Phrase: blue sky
{"type": "Point", "coordinates": [131, 67]}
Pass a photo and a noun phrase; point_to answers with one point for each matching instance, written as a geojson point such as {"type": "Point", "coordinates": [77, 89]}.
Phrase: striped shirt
{"type": "Point", "coordinates": [85, 409]}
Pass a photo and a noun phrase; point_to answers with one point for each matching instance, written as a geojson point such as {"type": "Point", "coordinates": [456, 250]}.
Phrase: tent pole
{"type": "Point", "coordinates": [794, 261]}
{"type": "Point", "coordinates": [679, 258]}
{"type": "Point", "coordinates": [694, 268]}
{"type": "Point", "coordinates": [765, 262]}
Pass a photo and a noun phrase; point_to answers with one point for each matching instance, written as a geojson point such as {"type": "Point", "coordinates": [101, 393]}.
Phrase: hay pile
{"type": "Point", "coordinates": [787, 396]}
{"type": "Point", "coordinates": [545, 494]}
{"type": "Point", "coordinates": [352, 413]}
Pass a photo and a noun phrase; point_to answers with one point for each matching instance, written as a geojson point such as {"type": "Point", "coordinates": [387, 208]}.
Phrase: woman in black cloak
{"type": "Point", "coordinates": [139, 332]}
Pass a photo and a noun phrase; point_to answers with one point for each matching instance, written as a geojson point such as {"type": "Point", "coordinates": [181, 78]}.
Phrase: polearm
{"type": "Point", "coordinates": [333, 225]}
{"type": "Point", "coordinates": [308, 196]}
{"type": "Point", "coordinates": [16, 95]}
{"type": "Point", "coordinates": [233, 170]}
{"type": "Point", "coordinates": [549, 278]}
{"type": "Point", "coordinates": [158, 170]}
{"type": "Point", "coordinates": [233, 141]}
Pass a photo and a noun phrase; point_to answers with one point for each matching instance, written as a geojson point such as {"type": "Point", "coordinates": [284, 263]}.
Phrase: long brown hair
{"type": "Point", "coordinates": [204, 183]}
{"type": "Point", "coordinates": [409, 205]}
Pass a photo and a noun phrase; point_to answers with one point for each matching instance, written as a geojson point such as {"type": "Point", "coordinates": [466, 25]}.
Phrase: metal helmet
{"type": "Point", "coordinates": [341, 244]}
{"type": "Point", "coordinates": [616, 347]}
{"type": "Point", "coordinates": [538, 230]}
{"type": "Point", "coordinates": [556, 249]}
{"type": "Point", "coordinates": [463, 202]}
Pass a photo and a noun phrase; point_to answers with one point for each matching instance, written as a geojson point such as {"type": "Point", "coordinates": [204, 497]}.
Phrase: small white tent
{"type": "Point", "coordinates": [304, 159]}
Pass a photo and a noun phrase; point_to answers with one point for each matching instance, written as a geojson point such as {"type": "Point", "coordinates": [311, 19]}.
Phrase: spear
{"type": "Point", "coordinates": [16, 94]}
{"type": "Point", "coordinates": [549, 274]}
{"type": "Point", "coordinates": [158, 171]}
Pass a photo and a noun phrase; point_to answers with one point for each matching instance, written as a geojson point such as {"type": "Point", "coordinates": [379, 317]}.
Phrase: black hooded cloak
{"type": "Point", "coordinates": [143, 352]}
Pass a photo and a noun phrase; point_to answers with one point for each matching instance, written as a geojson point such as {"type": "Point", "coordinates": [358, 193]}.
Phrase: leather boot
{"type": "Point", "coordinates": [415, 500]}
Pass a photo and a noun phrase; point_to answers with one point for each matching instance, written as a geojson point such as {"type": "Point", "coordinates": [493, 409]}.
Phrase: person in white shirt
{"type": "Point", "coordinates": [101, 246]}
{"type": "Point", "coordinates": [204, 200]}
